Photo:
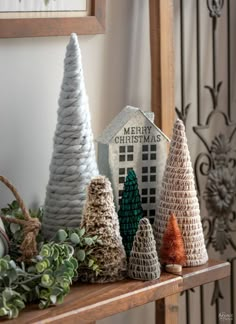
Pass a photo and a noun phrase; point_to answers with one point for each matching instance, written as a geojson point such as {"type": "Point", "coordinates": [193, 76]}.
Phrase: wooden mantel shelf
{"type": "Point", "coordinates": [88, 303]}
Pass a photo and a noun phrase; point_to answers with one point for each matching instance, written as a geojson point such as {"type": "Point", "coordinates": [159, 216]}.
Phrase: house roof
{"type": "Point", "coordinates": [120, 121]}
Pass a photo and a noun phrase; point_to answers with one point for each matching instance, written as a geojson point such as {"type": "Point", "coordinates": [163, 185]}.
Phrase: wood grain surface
{"type": "Point", "coordinates": [87, 303]}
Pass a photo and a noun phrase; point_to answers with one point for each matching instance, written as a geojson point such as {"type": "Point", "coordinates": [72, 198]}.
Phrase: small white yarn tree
{"type": "Point", "coordinates": [143, 261]}
{"type": "Point", "coordinates": [178, 195]}
{"type": "Point", "coordinates": [73, 161]}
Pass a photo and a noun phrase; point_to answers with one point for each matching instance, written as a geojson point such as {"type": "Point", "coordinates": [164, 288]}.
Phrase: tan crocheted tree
{"type": "Point", "coordinates": [143, 261]}
{"type": "Point", "coordinates": [178, 195]}
{"type": "Point", "coordinates": [100, 218]}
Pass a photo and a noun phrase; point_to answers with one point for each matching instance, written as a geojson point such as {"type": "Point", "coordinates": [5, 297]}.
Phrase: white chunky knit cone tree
{"type": "Point", "coordinates": [100, 219]}
{"type": "Point", "coordinates": [73, 161]}
{"type": "Point", "coordinates": [178, 195]}
{"type": "Point", "coordinates": [143, 261]}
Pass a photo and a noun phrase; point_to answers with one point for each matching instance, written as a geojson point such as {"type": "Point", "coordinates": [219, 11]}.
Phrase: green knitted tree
{"type": "Point", "coordinates": [130, 211]}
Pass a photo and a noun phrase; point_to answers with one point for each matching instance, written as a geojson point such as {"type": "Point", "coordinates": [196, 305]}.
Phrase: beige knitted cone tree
{"type": "Point", "coordinates": [100, 218]}
{"type": "Point", "coordinates": [178, 195]}
{"type": "Point", "coordinates": [73, 162]}
{"type": "Point", "coordinates": [143, 261]}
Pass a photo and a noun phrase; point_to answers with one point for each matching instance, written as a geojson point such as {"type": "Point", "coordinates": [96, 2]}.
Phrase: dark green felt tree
{"type": "Point", "coordinates": [130, 211]}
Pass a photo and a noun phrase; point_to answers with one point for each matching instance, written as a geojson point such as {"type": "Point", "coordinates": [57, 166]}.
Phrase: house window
{"type": "Point", "coordinates": [122, 174]}
{"type": "Point", "coordinates": [144, 191]}
{"type": "Point", "coordinates": [144, 213]}
{"type": "Point", "coordinates": [153, 174]}
{"type": "Point", "coordinates": [122, 158]}
{"type": "Point", "coordinates": [152, 191]}
{"type": "Point", "coordinates": [121, 179]}
{"type": "Point", "coordinates": [120, 193]}
{"type": "Point", "coordinates": [153, 169]}
{"type": "Point", "coordinates": [130, 148]}
{"type": "Point", "coordinates": [149, 152]}
{"type": "Point", "coordinates": [122, 149]}
{"type": "Point", "coordinates": [126, 153]}
{"type": "Point", "coordinates": [152, 195]}
{"type": "Point", "coordinates": [152, 212]}
{"type": "Point", "coordinates": [152, 200]}
{"type": "Point", "coordinates": [145, 178]}
{"type": "Point", "coordinates": [151, 220]}
{"type": "Point", "coordinates": [144, 174]}
{"type": "Point", "coordinates": [144, 157]}
{"type": "Point", "coordinates": [151, 215]}
{"type": "Point", "coordinates": [144, 200]}
{"type": "Point", "coordinates": [144, 195]}
{"type": "Point", "coordinates": [122, 171]}
{"type": "Point", "coordinates": [153, 156]}
{"type": "Point", "coordinates": [153, 178]}
{"type": "Point", "coordinates": [144, 169]}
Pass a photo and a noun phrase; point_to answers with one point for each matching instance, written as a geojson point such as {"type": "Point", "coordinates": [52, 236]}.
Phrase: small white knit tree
{"type": "Point", "coordinates": [73, 161]}
{"type": "Point", "coordinates": [178, 195]}
{"type": "Point", "coordinates": [143, 261]}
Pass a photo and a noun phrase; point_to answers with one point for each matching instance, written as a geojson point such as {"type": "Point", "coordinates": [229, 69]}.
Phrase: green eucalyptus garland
{"type": "Point", "coordinates": [49, 275]}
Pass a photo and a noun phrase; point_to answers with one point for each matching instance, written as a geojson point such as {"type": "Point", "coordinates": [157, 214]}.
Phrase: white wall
{"type": "Point", "coordinates": [117, 72]}
{"type": "Point", "coordinates": [116, 67]}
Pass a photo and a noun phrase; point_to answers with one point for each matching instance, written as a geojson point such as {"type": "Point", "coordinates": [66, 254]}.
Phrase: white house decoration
{"type": "Point", "coordinates": [133, 141]}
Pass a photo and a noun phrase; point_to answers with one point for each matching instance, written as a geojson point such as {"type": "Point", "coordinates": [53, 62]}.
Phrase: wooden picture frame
{"type": "Point", "coordinates": [37, 27]}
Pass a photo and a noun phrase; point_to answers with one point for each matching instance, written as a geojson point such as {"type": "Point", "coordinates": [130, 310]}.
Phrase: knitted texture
{"type": "Point", "coordinates": [172, 249]}
{"type": "Point", "coordinates": [100, 218]}
{"type": "Point", "coordinates": [130, 211]}
{"type": "Point", "coordinates": [178, 195]}
{"type": "Point", "coordinates": [73, 161]}
{"type": "Point", "coordinates": [143, 261]}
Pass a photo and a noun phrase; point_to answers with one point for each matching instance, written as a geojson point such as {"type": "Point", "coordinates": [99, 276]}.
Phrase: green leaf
{"type": "Point", "coordinates": [19, 303]}
{"type": "Point", "coordinates": [8, 293]}
{"type": "Point", "coordinates": [53, 299]}
{"type": "Point", "coordinates": [57, 291]}
{"type": "Point", "coordinates": [3, 265]}
{"type": "Point", "coordinates": [95, 267]}
{"type": "Point", "coordinates": [41, 266]}
{"type": "Point", "coordinates": [75, 263]}
{"type": "Point", "coordinates": [61, 235]}
{"type": "Point", "coordinates": [91, 262]}
{"type": "Point", "coordinates": [3, 311]}
{"type": "Point", "coordinates": [15, 311]}
{"type": "Point", "coordinates": [12, 264]}
{"type": "Point", "coordinates": [12, 275]}
{"type": "Point", "coordinates": [81, 231]}
{"type": "Point", "coordinates": [47, 280]}
{"type": "Point", "coordinates": [56, 254]}
{"type": "Point", "coordinates": [45, 251]}
{"type": "Point", "coordinates": [60, 299]}
{"type": "Point", "coordinates": [26, 288]}
{"type": "Point", "coordinates": [80, 255]}
{"type": "Point", "coordinates": [88, 241]}
{"type": "Point", "coordinates": [75, 238]}
{"type": "Point", "coordinates": [42, 304]}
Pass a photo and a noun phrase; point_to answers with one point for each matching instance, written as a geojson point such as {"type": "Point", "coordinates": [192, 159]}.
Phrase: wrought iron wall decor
{"type": "Point", "coordinates": [216, 165]}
